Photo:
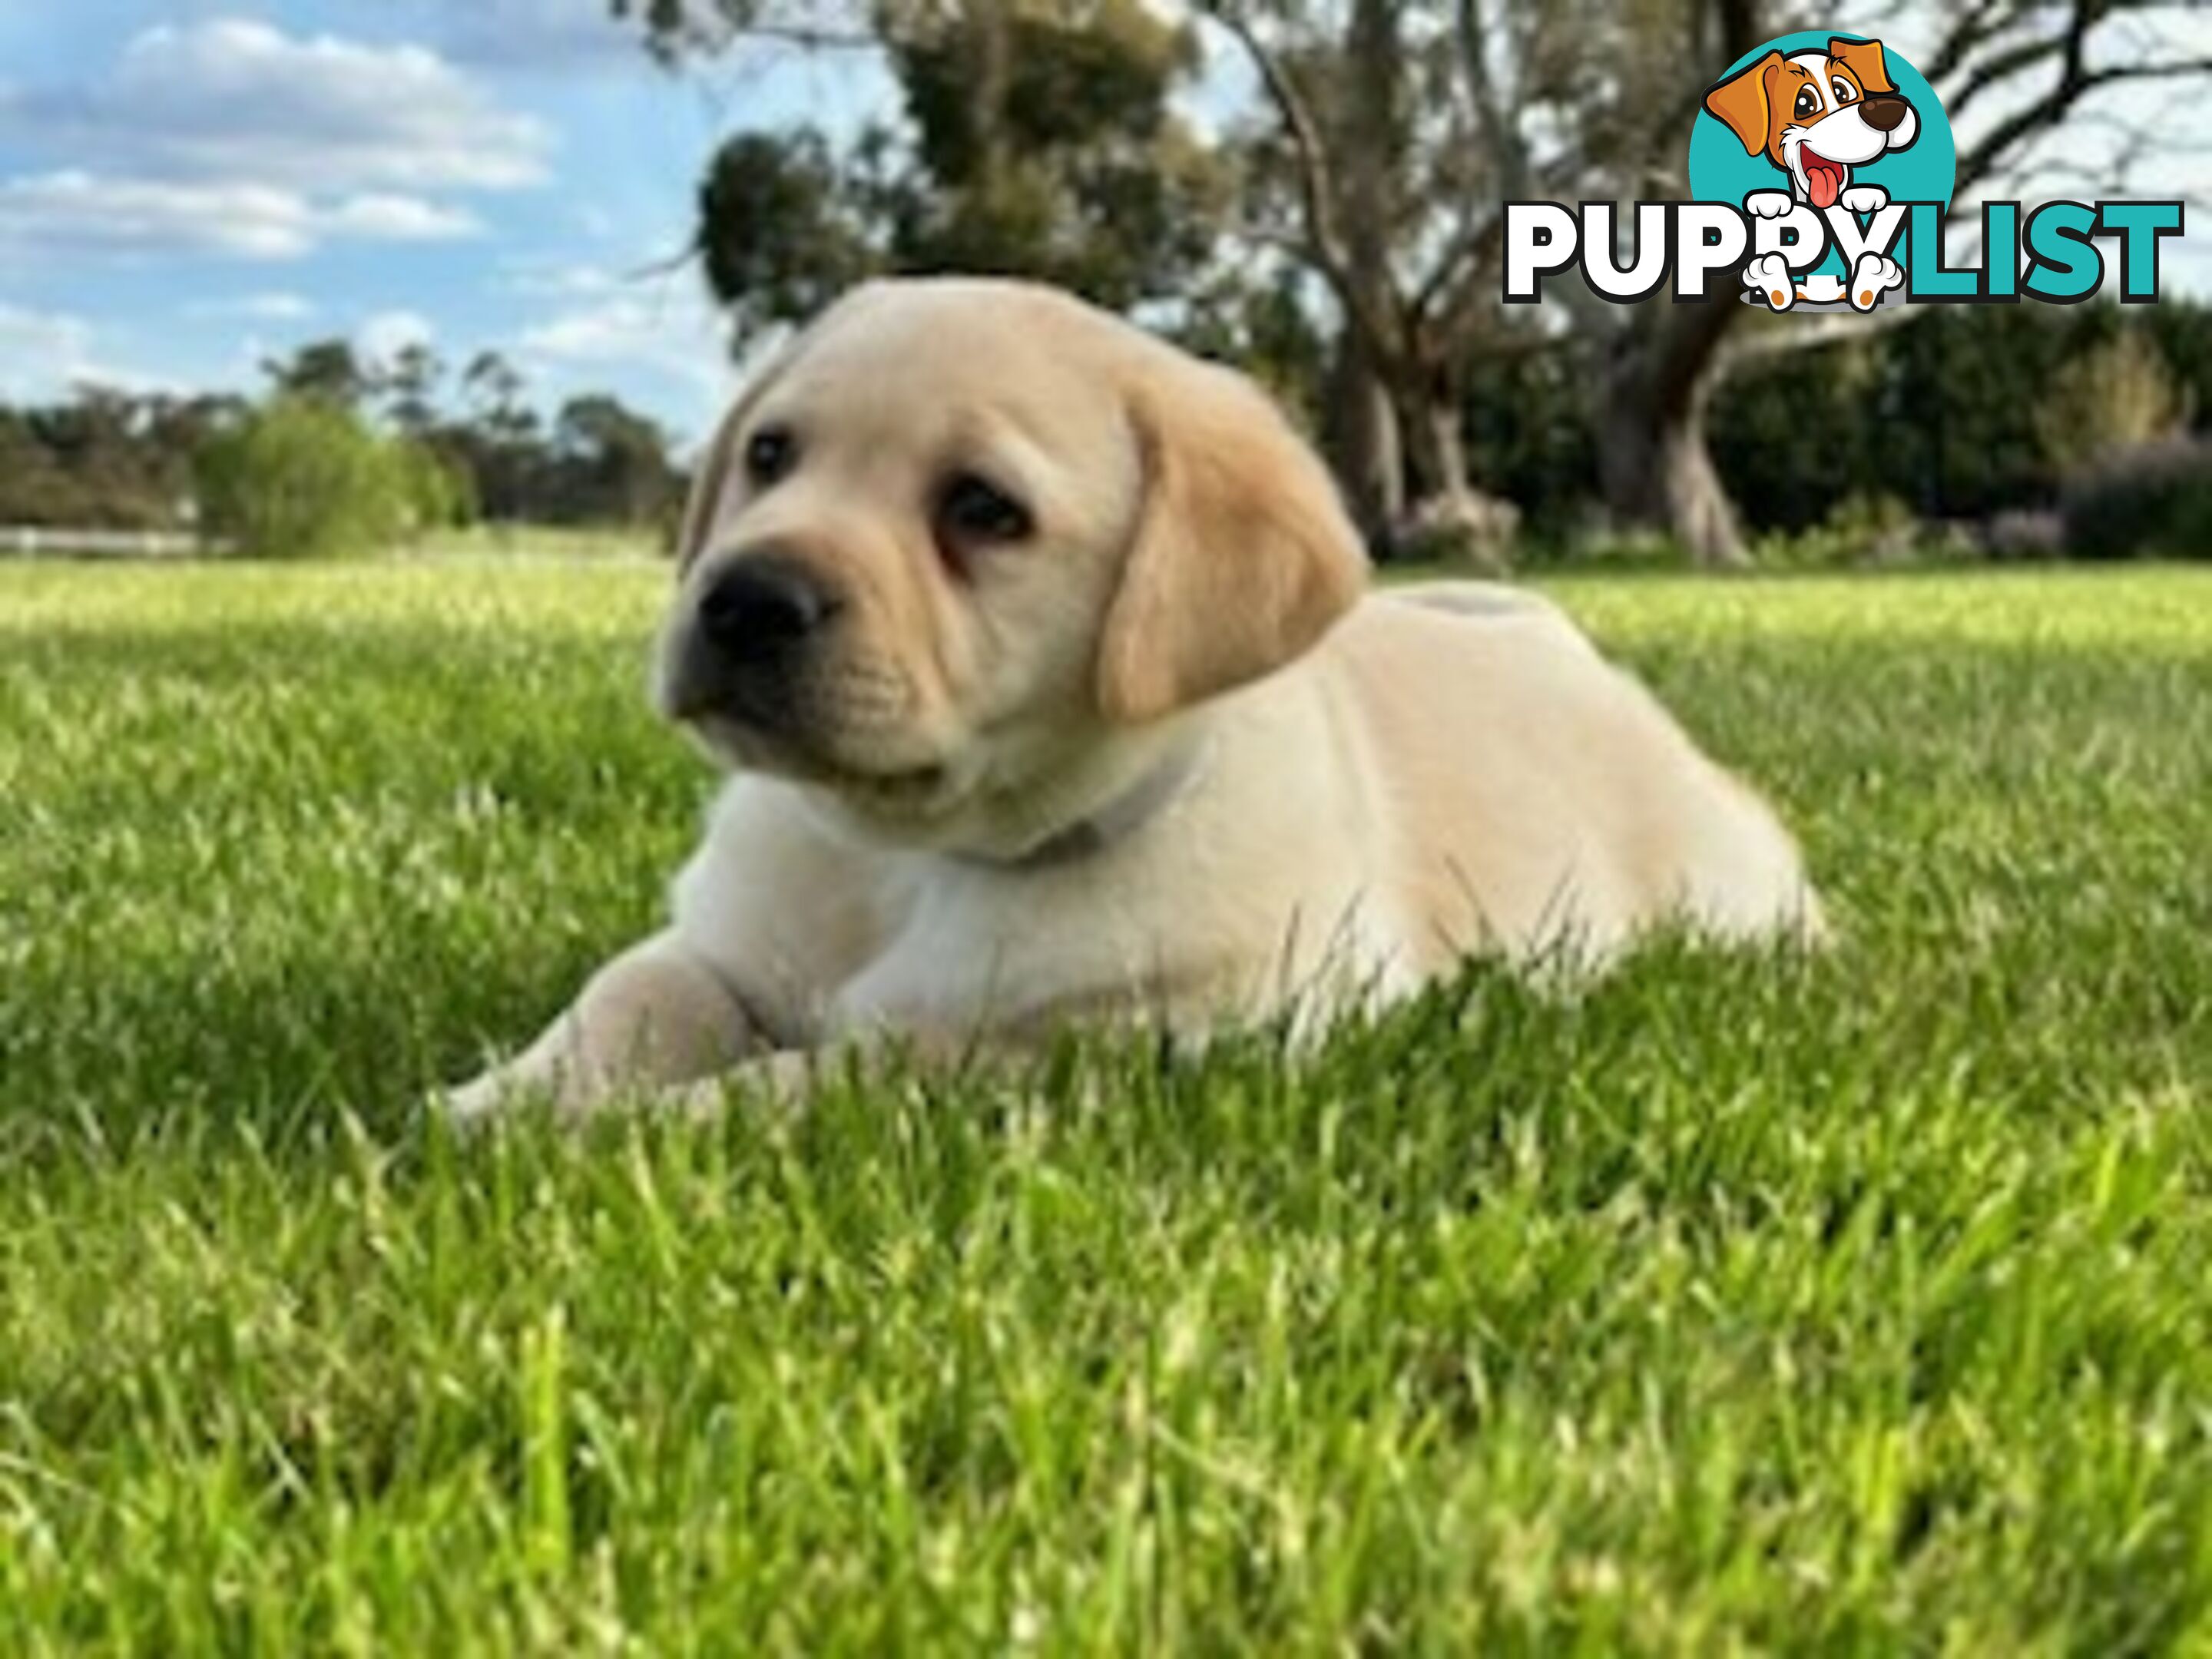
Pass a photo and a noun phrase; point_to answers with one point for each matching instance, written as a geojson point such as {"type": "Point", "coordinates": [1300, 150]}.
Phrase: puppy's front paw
{"type": "Point", "coordinates": [1874, 276]}
{"type": "Point", "coordinates": [1769, 277]}
{"type": "Point", "coordinates": [483, 1100]}
{"type": "Point", "coordinates": [1864, 198]}
{"type": "Point", "coordinates": [1768, 203]}
{"type": "Point", "coordinates": [786, 1080]}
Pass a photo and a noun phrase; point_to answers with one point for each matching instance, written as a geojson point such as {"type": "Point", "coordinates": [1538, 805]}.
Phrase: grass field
{"type": "Point", "coordinates": [1860, 1304]}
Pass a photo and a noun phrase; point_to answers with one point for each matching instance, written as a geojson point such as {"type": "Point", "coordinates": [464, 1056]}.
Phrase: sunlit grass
{"type": "Point", "coordinates": [1861, 1304]}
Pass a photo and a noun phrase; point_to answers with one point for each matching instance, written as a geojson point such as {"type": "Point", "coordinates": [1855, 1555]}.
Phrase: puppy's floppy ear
{"type": "Point", "coordinates": [715, 461]}
{"type": "Point", "coordinates": [1242, 556]}
{"type": "Point", "coordinates": [707, 486]}
{"type": "Point", "coordinates": [1864, 59]}
{"type": "Point", "coordinates": [1744, 102]}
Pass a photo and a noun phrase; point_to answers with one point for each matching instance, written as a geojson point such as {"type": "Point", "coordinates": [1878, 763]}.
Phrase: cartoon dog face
{"type": "Point", "coordinates": [1816, 115]}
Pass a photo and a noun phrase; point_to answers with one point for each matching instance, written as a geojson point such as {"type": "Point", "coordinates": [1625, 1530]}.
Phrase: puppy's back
{"type": "Point", "coordinates": [1542, 794]}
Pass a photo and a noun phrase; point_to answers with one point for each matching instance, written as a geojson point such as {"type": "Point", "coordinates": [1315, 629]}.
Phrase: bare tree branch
{"type": "Point", "coordinates": [1980, 22]}
{"type": "Point", "coordinates": [813, 39]}
{"type": "Point", "coordinates": [1507, 147]}
{"type": "Point", "coordinates": [1323, 241]}
{"type": "Point", "coordinates": [1995, 149]}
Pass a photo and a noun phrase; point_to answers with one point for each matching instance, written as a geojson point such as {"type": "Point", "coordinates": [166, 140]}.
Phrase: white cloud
{"type": "Point", "coordinates": [229, 138]}
{"type": "Point", "coordinates": [232, 99]}
{"type": "Point", "coordinates": [383, 337]}
{"type": "Point", "coordinates": [398, 219]}
{"type": "Point", "coordinates": [46, 354]}
{"type": "Point", "coordinates": [668, 333]}
{"type": "Point", "coordinates": [272, 306]}
{"type": "Point", "coordinates": [41, 351]}
{"type": "Point", "coordinates": [76, 212]}
{"type": "Point", "coordinates": [538, 278]}
{"type": "Point", "coordinates": [681, 337]}
{"type": "Point", "coordinates": [534, 34]}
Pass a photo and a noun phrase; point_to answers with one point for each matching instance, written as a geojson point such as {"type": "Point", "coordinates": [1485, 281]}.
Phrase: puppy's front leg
{"type": "Point", "coordinates": [789, 1077]}
{"type": "Point", "coordinates": [654, 1017]}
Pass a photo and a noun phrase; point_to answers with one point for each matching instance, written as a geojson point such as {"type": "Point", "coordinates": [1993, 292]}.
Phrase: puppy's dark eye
{"type": "Point", "coordinates": [1809, 101]}
{"type": "Point", "coordinates": [1842, 90]}
{"type": "Point", "coordinates": [977, 510]}
{"type": "Point", "coordinates": [770, 452]}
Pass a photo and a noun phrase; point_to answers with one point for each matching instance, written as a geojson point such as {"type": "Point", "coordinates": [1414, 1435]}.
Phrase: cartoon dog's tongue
{"type": "Point", "coordinates": [1824, 179]}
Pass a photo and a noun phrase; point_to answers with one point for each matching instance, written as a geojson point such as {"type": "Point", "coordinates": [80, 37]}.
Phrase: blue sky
{"type": "Point", "coordinates": [187, 186]}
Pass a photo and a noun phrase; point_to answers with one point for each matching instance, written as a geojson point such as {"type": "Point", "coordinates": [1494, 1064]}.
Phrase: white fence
{"type": "Point", "coordinates": [29, 541]}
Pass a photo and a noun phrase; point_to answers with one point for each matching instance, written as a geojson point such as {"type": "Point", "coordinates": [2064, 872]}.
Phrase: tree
{"type": "Point", "coordinates": [1042, 144]}
{"type": "Point", "coordinates": [614, 462]}
{"type": "Point", "coordinates": [2120, 395]}
{"type": "Point", "coordinates": [328, 370]}
{"type": "Point", "coordinates": [1402, 128]}
{"type": "Point", "coordinates": [1403, 135]}
{"type": "Point", "coordinates": [780, 233]}
{"type": "Point", "coordinates": [1038, 140]}
{"type": "Point", "coordinates": [410, 383]}
{"type": "Point", "coordinates": [494, 388]}
{"type": "Point", "coordinates": [500, 443]}
{"type": "Point", "coordinates": [1652, 363]}
{"type": "Point", "coordinates": [2008, 73]}
{"type": "Point", "coordinates": [1392, 132]}
{"type": "Point", "coordinates": [106, 459]}
{"type": "Point", "coordinates": [304, 478]}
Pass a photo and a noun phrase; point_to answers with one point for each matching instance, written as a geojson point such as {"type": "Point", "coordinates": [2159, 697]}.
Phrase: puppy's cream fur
{"type": "Point", "coordinates": [1161, 758]}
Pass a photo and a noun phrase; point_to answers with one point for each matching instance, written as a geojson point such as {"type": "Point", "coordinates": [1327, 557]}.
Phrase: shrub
{"type": "Point", "coordinates": [2025, 532]}
{"type": "Point", "coordinates": [1866, 528]}
{"type": "Point", "coordinates": [2117, 396]}
{"type": "Point", "coordinates": [302, 478]}
{"type": "Point", "coordinates": [441, 491]}
{"type": "Point", "coordinates": [1597, 543]}
{"type": "Point", "coordinates": [2151, 501]}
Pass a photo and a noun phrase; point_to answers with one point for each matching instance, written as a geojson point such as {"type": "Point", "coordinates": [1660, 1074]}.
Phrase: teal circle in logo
{"type": "Point", "coordinates": [1720, 170]}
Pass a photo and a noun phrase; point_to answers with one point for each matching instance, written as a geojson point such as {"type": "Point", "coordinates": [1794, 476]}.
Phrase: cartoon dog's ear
{"type": "Point", "coordinates": [1864, 59]}
{"type": "Point", "coordinates": [1242, 557]}
{"type": "Point", "coordinates": [1744, 102]}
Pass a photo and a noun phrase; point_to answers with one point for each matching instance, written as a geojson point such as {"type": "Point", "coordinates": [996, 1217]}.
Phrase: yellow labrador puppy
{"type": "Point", "coordinates": [1042, 659]}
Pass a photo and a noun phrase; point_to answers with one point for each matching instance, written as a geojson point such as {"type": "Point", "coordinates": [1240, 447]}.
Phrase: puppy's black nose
{"type": "Point", "coordinates": [766, 603]}
{"type": "Point", "coordinates": [1883, 110]}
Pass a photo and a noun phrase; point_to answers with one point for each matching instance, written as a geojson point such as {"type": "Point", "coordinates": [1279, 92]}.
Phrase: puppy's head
{"type": "Point", "coordinates": [1816, 115]}
{"type": "Point", "coordinates": [958, 558]}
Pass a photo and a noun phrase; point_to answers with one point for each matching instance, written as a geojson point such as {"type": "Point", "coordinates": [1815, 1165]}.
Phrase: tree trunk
{"type": "Point", "coordinates": [1697, 506]}
{"type": "Point", "coordinates": [1653, 465]}
{"type": "Point", "coordinates": [1440, 447]}
{"type": "Point", "coordinates": [1654, 377]}
{"type": "Point", "coordinates": [1364, 448]}
{"type": "Point", "coordinates": [989, 46]}
{"type": "Point", "coordinates": [1372, 461]}
{"type": "Point", "coordinates": [1451, 520]}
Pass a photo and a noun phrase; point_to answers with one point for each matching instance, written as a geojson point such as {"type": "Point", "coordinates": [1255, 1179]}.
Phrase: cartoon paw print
{"type": "Point", "coordinates": [1874, 276]}
{"type": "Point", "coordinates": [1864, 198]}
{"type": "Point", "coordinates": [1769, 276]}
{"type": "Point", "coordinates": [1768, 203]}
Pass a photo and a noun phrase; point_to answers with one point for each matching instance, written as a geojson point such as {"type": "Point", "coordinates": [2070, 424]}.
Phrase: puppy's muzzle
{"type": "Point", "coordinates": [754, 630]}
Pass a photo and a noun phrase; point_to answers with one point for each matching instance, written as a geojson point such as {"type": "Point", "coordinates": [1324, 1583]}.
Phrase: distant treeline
{"type": "Point", "coordinates": [108, 458]}
{"type": "Point", "coordinates": [1956, 413]}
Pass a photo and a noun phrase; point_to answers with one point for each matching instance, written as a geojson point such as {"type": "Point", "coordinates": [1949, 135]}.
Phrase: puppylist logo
{"type": "Point", "coordinates": [1822, 167]}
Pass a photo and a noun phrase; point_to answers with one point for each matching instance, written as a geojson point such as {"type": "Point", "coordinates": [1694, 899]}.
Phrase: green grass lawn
{"type": "Point", "coordinates": [1863, 1304]}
